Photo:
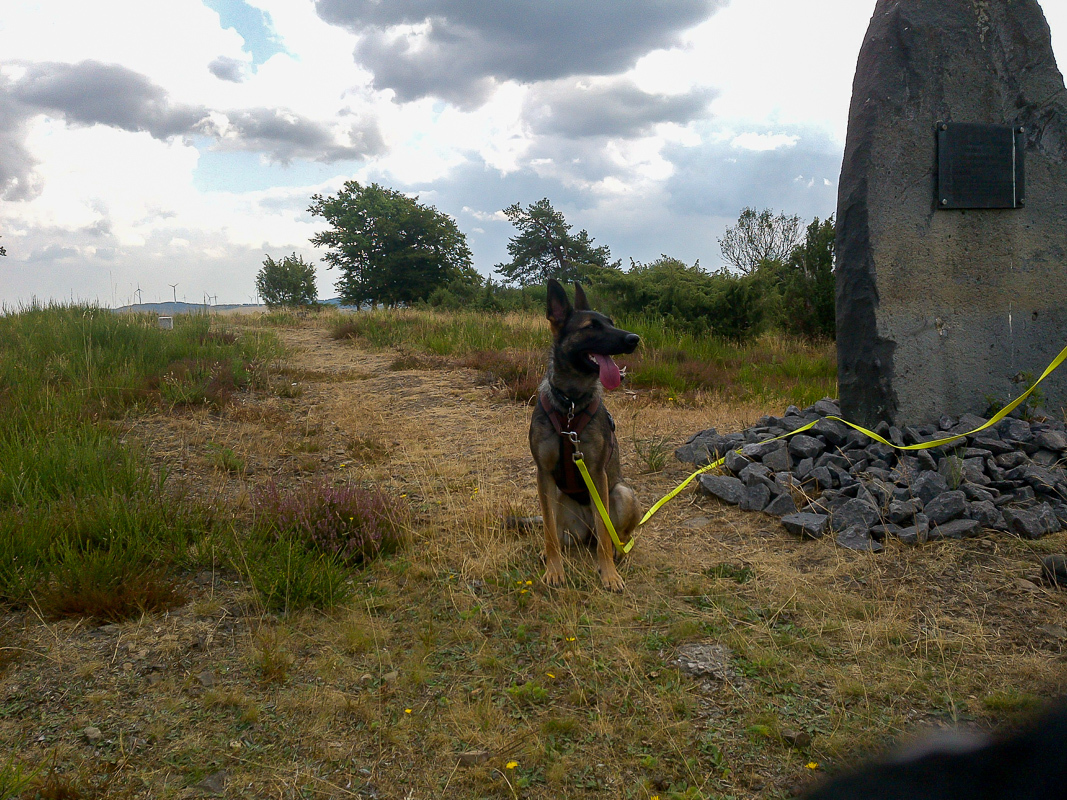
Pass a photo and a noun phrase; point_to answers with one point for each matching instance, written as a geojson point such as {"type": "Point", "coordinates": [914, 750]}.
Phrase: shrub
{"type": "Point", "coordinates": [288, 282]}
{"type": "Point", "coordinates": [288, 576]}
{"type": "Point", "coordinates": [514, 374]}
{"type": "Point", "coordinates": [347, 522]}
{"type": "Point", "coordinates": [685, 298]}
{"type": "Point", "coordinates": [304, 541]}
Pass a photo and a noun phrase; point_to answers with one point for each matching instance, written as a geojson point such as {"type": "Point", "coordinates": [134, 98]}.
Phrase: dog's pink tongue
{"type": "Point", "coordinates": [609, 372]}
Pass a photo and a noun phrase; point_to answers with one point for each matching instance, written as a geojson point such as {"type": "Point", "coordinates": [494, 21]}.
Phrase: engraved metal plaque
{"type": "Point", "coordinates": [979, 166]}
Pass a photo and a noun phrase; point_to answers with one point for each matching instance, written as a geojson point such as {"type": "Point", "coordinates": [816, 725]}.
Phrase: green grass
{"type": "Point", "coordinates": [85, 529]}
{"type": "Point", "coordinates": [455, 333]}
{"type": "Point", "coordinates": [773, 368]}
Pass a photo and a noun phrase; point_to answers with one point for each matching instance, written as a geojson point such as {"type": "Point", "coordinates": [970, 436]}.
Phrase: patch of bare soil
{"type": "Point", "coordinates": [376, 699]}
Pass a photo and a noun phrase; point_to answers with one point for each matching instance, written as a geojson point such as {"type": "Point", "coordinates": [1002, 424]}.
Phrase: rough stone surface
{"type": "Point", "coordinates": [735, 462]}
{"type": "Point", "coordinates": [706, 660]}
{"type": "Point", "coordinates": [780, 506]}
{"type": "Point", "coordinates": [903, 510]}
{"type": "Point", "coordinates": [889, 494]}
{"type": "Point", "coordinates": [928, 486]}
{"type": "Point", "coordinates": [855, 513]}
{"type": "Point", "coordinates": [803, 446]}
{"type": "Point", "coordinates": [779, 460]}
{"type": "Point", "coordinates": [956, 529]}
{"type": "Point", "coordinates": [707, 446]}
{"type": "Point", "coordinates": [858, 538]}
{"type": "Point", "coordinates": [1054, 569]}
{"type": "Point", "coordinates": [727, 489]}
{"type": "Point", "coordinates": [1055, 441]}
{"type": "Point", "coordinates": [806, 524]}
{"type": "Point", "coordinates": [929, 302]}
{"type": "Point", "coordinates": [1032, 523]}
{"type": "Point", "coordinates": [987, 515]}
{"type": "Point", "coordinates": [945, 507]}
{"type": "Point", "coordinates": [756, 498]}
{"type": "Point", "coordinates": [917, 533]}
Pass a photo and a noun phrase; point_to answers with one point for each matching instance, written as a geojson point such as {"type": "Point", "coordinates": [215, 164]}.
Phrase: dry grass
{"type": "Point", "coordinates": [454, 645]}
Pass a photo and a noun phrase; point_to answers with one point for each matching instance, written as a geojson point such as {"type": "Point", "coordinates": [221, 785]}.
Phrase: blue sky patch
{"type": "Point", "coordinates": [243, 171]}
{"type": "Point", "coordinates": [252, 24]}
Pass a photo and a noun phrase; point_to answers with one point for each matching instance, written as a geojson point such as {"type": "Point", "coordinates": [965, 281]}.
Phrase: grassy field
{"type": "Point", "coordinates": [340, 609]}
{"type": "Point", "coordinates": [672, 365]}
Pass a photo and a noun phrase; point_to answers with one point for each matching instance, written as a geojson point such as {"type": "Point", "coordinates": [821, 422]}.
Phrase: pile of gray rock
{"type": "Point", "coordinates": [834, 479]}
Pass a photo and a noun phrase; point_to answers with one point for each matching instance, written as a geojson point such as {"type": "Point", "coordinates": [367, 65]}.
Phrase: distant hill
{"type": "Point", "coordinates": [172, 308]}
{"type": "Point", "coordinates": [336, 301]}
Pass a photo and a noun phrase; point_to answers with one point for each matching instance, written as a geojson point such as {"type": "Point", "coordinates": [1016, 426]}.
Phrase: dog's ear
{"type": "Point", "coordinates": [580, 303]}
{"type": "Point", "coordinates": [559, 305]}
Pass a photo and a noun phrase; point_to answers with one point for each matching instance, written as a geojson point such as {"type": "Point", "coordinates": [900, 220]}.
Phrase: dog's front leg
{"type": "Point", "coordinates": [605, 547]}
{"type": "Point", "coordinates": [546, 493]}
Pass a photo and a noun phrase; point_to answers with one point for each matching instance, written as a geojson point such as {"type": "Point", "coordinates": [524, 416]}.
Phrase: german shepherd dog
{"type": "Point", "coordinates": [571, 401]}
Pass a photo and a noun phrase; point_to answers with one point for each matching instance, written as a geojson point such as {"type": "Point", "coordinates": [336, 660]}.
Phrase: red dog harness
{"type": "Point", "coordinates": [568, 478]}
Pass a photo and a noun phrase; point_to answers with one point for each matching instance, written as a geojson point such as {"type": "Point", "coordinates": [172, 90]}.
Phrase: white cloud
{"type": "Point", "coordinates": [762, 142]}
{"type": "Point", "coordinates": [486, 216]}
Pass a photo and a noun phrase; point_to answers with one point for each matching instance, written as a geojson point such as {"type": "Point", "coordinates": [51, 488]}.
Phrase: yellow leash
{"type": "Point", "coordinates": [623, 549]}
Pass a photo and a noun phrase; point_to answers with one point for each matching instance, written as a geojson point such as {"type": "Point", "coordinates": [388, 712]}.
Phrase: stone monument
{"type": "Point", "coordinates": [952, 212]}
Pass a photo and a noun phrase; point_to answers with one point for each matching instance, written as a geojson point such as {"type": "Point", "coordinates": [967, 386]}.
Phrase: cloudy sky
{"type": "Point", "coordinates": [144, 144]}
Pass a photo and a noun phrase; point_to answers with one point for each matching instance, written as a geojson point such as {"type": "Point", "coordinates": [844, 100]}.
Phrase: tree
{"type": "Point", "coordinates": [808, 283]}
{"type": "Point", "coordinates": [389, 247]}
{"type": "Point", "coordinates": [3, 252]}
{"type": "Point", "coordinates": [758, 238]}
{"type": "Point", "coordinates": [545, 248]}
{"type": "Point", "coordinates": [289, 282]}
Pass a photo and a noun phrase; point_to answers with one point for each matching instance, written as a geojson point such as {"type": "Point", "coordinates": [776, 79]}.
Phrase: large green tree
{"type": "Point", "coordinates": [288, 282]}
{"type": "Point", "coordinates": [544, 247]}
{"type": "Point", "coordinates": [389, 248]}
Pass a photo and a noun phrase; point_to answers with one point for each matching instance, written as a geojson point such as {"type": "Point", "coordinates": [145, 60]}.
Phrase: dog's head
{"type": "Point", "coordinates": [584, 338]}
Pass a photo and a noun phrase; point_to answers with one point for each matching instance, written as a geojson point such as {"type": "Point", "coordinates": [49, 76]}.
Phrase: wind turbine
{"type": "Point", "coordinates": [174, 288]}
{"type": "Point", "coordinates": [138, 293]}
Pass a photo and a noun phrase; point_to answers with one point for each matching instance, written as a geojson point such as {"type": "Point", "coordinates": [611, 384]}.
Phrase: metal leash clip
{"type": "Point", "coordinates": [577, 456]}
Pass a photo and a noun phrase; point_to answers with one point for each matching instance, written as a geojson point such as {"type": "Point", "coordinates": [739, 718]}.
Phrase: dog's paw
{"type": "Point", "coordinates": [612, 581]}
{"type": "Point", "coordinates": [554, 575]}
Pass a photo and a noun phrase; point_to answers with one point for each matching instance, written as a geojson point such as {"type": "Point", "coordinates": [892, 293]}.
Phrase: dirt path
{"type": "Point", "coordinates": [438, 436]}
{"type": "Point", "coordinates": [452, 445]}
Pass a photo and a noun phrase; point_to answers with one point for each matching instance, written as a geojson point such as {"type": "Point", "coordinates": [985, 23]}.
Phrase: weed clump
{"type": "Point", "coordinates": [305, 541]}
{"type": "Point", "coordinates": [352, 524]}
{"type": "Point", "coordinates": [513, 374]}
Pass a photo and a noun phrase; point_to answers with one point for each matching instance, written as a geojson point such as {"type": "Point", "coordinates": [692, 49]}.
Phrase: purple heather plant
{"type": "Point", "coordinates": [351, 523]}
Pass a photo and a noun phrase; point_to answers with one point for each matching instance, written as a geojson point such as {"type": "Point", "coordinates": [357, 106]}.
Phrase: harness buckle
{"type": "Point", "coordinates": [573, 438]}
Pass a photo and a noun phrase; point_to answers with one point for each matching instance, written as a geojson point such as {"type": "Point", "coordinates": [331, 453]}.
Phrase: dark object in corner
{"type": "Point", "coordinates": [1028, 765]}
